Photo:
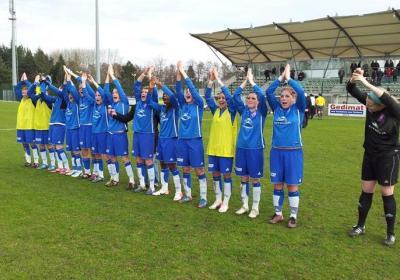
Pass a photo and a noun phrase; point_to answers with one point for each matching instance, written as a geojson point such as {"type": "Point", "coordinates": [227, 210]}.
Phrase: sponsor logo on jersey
{"type": "Point", "coordinates": [185, 117]}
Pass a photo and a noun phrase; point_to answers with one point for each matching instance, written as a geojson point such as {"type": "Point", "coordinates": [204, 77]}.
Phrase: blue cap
{"type": "Point", "coordinates": [374, 98]}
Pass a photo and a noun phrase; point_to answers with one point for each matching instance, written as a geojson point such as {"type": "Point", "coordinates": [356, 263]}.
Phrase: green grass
{"type": "Point", "coordinates": [55, 227]}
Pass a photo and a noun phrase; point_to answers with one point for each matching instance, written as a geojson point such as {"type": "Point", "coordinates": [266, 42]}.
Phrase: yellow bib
{"type": "Point", "coordinates": [25, 114]}
{"type": "Point", "coordinates": [42, 116]}
{"type": "Point", "coordinates": [223, 134]}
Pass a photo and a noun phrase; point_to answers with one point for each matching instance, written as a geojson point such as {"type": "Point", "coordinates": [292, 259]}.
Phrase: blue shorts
{"type": "Point", "coordinates": [85, 136]}
{"type": "Point", "coordinates": [249, 162]}
{"type": "Point", "coordinates": [72, 136]}
{"type": "Point", "coordinates": [56, 134]}
{"type": "Point", "coordinates": [117, 144]}
{"type": "Point", "coordinates": [26, 136]}
{"type": "Point", "coordinates": [166, 150]}
{"type": "Point", "coordinates": [220, 164]}
{"type": "Point", "coordinates": [99, 143]}
{"type": "Point", "coordinates": [286, 166]}
{"type": "Point", "coordinates": [42, 137]}
{"type": "Point", "coordinates": [143, 145]}
{"type": "Point", "coordinates": [190, 152]}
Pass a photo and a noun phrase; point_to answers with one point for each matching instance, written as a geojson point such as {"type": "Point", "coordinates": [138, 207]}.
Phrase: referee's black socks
{"type": "Point", "coordinates": [389, 206]}
{"type": "Point", "coordinates": [364, 204]}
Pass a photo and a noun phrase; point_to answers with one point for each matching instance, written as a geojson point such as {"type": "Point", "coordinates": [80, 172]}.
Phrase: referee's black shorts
{"type": "Point", "coordinates": [383, 168]}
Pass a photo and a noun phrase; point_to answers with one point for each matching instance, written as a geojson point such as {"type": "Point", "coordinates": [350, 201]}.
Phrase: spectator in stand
{"type": "Point", "coordinates": [379, 76]}
{"type": "Point", "coordinates": [391, 64]}
{"type": "Point", "coordinates": [388, 74]}
{"type": "Point", "coordinates": [273, 72]}
{"type": "Point", "coordinates": [374, 75]}
{"type": "Point", "coordinates": [395, 74]}
{"type": "Point", "coordinates": [366, 69]}
{"type": "Point", "coordinates": [398, 67]}
{"type": "Point", "coordinates": [292, 74]}
{"type": "Point", "coordinates": [341, 75]}
{"type": "Point", "coordinates": [267, 75]}
{"type": "Point", "coordinates": [301, 76]}
{"type": "Point", "coordinates": [353, 67]}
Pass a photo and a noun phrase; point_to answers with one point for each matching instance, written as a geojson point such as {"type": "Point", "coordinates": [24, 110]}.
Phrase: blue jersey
{"type": "Point", "coordinates": [287, 123]}
{"type": "Point", "coordinates": [168, 116]}
{"type": "Point", "coordinates": [144, 113]}
{"type": "Point", "coordinates": [190, 114]}
{"type": "Point", "coordinates": [72, 111]}
{"type": "Point", "coordinates": [229, 100]}
{"type": "Point", "coordinates": [122, 107]}
{"type": "Point", "coordinates": [252, 123]}
{"type": "Point", "coordinates": [99, 117]}
{"type": "Point", "coordinates": [59, 104]}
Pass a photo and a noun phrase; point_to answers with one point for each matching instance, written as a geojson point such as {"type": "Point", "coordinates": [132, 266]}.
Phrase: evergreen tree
{"type": "Point", "coordinates": [27, 65]}
{"type": "Point", "coordinates": [43, 62]}
{"type": "Point", "coordinates": [57, 72]}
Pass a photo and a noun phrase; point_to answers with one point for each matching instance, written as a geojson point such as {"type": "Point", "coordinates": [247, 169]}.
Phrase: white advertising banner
{"type": "Point", "coordinates": [347, 110]}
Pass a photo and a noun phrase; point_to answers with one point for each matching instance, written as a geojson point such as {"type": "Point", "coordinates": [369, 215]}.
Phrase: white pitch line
{"type": "Point", "coordinates": [7, 129]}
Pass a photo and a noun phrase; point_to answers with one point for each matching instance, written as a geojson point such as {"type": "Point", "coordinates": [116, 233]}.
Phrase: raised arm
{"type": "Point", "coordinates": [195, 94]}
{"type": "Point", "coordinates": [354, 91]}
{"type": "Point", "coordinates": [262, 105]}
{"type": "Point", "coordinates": [392, 106]}
{"type": "Point", "coordinates": [121, 91]}
{"type": "Point", "coordinates": [237, 98]}
{"type": "Point", "coordinates": [209, 99]}
{"type": "Point", "coordinates": [225, 91]}
{"type": "Point", "coordinates": [179, 89]}
{"type": "Point", "coordinates": [72, 89]}
{"type": "Point", "coordinates": [85, 89]}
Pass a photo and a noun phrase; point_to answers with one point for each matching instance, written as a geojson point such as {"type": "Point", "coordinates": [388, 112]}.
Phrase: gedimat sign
{"type": "Point", "coordinates": [346, 110]}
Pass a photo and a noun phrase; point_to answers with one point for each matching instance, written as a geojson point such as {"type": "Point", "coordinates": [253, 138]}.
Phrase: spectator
{"type": "Point", "coordinates": [273, 72]}
{"type": "Point", "coordinates": [366, 69]}
{"type": "Point", "coordinates": [353, 67]}
{"type": "Point", "coordinates": [341, 74]}
{"type": "Point", "coordinates": [267, 75]}
{"type": "Point", "coordinates": [292, 74]}
{"type": "Point", "coordinates": [379, 76]}
{"type": "Point", "coordinates": [301, 76]}
{"type": "Point", "coordinates": [395, 74]}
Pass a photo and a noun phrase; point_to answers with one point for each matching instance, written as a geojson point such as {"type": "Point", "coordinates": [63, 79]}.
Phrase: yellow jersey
{"type": "Point", "coordinates": [223, 132]}
{"type": "Point", "coordinates": [25, 114]}
{"type": "Point", "coordinates": [42, 114]}
{"type": "Point", "coordinates": [320, 101]}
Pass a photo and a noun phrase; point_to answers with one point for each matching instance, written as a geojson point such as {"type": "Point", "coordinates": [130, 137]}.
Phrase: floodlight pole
{"type": "Point", "coordinates": [98, 76]}
{"type": "Point", "coordinates": [13, 54]}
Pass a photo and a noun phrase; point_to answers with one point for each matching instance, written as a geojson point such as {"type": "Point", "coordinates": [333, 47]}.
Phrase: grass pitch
{"type": "Point", "coordinates": [55, 227]}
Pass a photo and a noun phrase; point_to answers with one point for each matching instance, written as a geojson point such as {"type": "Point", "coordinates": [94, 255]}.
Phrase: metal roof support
{"type": "Point", "coordinates": [295, 39]}
{"type": "Point", "coordinates": [347, 35]}
{"type": "Point", "coordinates": [250, 42]}
{"type": "Point", "coordinates": [329, 61]}
{"type": "Point", "coordinates": [201, 39]}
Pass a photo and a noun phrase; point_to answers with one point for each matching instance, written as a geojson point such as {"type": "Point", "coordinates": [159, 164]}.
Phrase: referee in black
{"type": "Point", "coordinates": [381, 152]}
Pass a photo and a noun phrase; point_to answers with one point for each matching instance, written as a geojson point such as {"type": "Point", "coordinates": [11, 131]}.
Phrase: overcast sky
{"type": "Point", "coordinates": [144, 30]}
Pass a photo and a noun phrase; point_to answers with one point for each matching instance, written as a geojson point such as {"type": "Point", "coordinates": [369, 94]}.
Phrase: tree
{"type": "Point", "coordinates": [42, 61]}
{"type": "Point", "coordinates": [57, 72]}
{"type": "Point", "coordinates": [5, 73]}
{"type": "Point", "coordinates": [191, 73]}
{"type": "Point", "coordinates": [28, 65]}
{"type": "Point", "coordinates": [128, 74]}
